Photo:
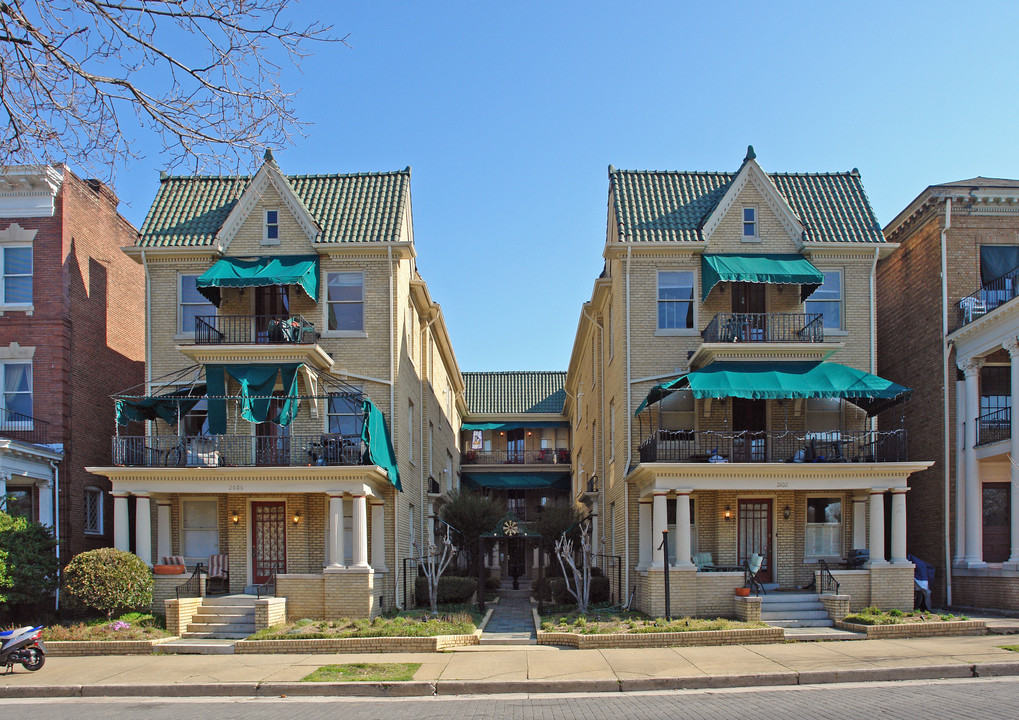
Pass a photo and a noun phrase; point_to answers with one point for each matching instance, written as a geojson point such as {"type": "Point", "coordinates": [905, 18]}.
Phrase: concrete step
{"type": "Point", "coordinates": [232, 614]}
{"type": "Point", "coordinates": [237, 600]}
{"type": "Point", "coordinates": [216, 636]}
{"type": "Point", "coordinates": [495, 640]}
{"type": "Point", "coordinates": [800, 623]}
{"type": "Point", "coordinates": [215, 626]}
{"type": "Point", "coordinates": [805, 604]}
{"type": "Point", "coordinates": [198, 646]}
{"type": "Point", "coordinates": [813, 634]}
{"type": "Point", "coordinates": [785, 597]}
{"type": "Point", "coordinates": [767, 615]}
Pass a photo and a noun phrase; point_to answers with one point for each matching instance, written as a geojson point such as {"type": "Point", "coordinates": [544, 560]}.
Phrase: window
{"type": "Point", "coordinates": [431, 431]}
{"type": "Point", "coordinates": [345, 299]}
{"type": "Point", "coordinates": [17, 394]}
{"type": "Point", "coordinates": [200, 529]}
{"type": "Point", "coordinates": [611, 347]}
{"type": "Point", "coordinates": [413, 534]}
{"type": "Point", "coordinates": [824, 527]}
{"type": "Point", "coordinates": [93, 511]}
{"type": "Point", "coordinates": [410, 430]}
{"type": "Point", "coordinates": [827, 300]}
{"type": "Point", "coordinates": [749, 223]}
{"type": "Point", "coordinates": [675, 300]}
{"type": "Point", "coordinates": [678, 411]}
{"type": "Point", "coordinates": [344, 414]}
{"type": "Point", "coordinates": [19, 502]}
{"type": "Point", "coordinates": [612, 528]}
{"type": "Point", "coordinates": [192, 304]}
{"type": "Point", "coordinates": [17, 275]}
{"type": "Point", "coordinates": [272, 228]}
{"type": "Point", "coordinates": [612, 429]}
{"type": "Point", "coordinates": [823, 415]}
{"type": "Point", "coordinates": [516, 504]}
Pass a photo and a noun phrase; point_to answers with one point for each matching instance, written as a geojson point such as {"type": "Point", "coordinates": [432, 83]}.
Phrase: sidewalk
{"type": "Point", "coordinates": [523, 669]}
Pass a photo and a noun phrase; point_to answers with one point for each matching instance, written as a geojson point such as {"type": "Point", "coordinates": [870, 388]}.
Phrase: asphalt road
{"type": "Point", "coordinates": [980, 699]}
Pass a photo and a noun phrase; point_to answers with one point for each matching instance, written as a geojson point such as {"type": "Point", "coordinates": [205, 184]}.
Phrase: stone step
{"type": "Point", "coordinates": [214, 636]}
{"type": "Point", "coordinates": [800, 623]}
{"type": "Point", "coordinates": [783, 597]}
{"type": "Point", "coordinates": [813, 634]}
{"type": "Point", "coordinates": [767, 615]}
{"type": "Point", "coordinates": [231, 616]}
{"type": "Point", "coordinates": [218, 627]}
{"type": "Point", "coordinates": [791, 607]}
{"type": "Point", "coordinates": [237, 600]}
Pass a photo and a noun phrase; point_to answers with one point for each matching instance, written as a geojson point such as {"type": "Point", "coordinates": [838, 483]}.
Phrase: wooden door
{"type": "Point", "coordinates": [268, 540]}
{"type": "Point", "coordinates": [749, 425]}
{"type": "Point", "coordinates": [997, 498]}
{"type": "Point", "coordinates": [271, 303]}
{"type": "Point", "coordinates": [272, 441]}
{"type": "Point", "coordinates": [754, 534]}
{"type": "Point", "coordinates": [748, 306]}
{"type": "Point", "coordinates": [515, 446]}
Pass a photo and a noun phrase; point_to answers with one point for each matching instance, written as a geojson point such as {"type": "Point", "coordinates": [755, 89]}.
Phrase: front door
{"type": "Point", "coordinates": [272, 441]}
{"type": "Point", "coordinates": [271, 303]}
{"type": "Point", "coordinates": [748, 306]}
{"type": "Point", "coordinates": [754, 526]}
{"type": "Point", "coordinates": [997, 531]}
{"type": "Point", "coordinates": [515, 446]}
{"type": "Point", "coordinates": [268, 540]}
{"type": "Point", "coordinates": [749, 425]}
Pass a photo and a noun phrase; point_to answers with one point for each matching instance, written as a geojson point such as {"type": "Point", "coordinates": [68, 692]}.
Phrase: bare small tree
{"type": "Point", "coordinates": [204, 75]}
{"type": "Point", "coordinates": [581, 588]}
{"type": "Point", "coordinates": [433, 565]}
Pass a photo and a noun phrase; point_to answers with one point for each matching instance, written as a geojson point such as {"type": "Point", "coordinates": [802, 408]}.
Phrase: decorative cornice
{"type": "Point", "coordinates": [709, 352]}
{"type": "Point", "coordinates": [970, 366]}
{"type": "Point", "coordinates": [29, 190]}
{"type": "Point", "coordinates": [305, 353]}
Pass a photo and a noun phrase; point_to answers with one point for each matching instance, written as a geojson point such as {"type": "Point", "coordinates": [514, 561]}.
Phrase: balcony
{"type": "Point", "coordinates": [253, 330]}
{"type": "Point", "coordinates": [990, 296]}
{"type": "Point", "coordinates": [23, 428]}
{"type": "Point", "coordinates": [994, 426]}
{"type": "Point", "coordinates": [692, 446]}
{"type": "Point", "coordinates": [237, 451]}
{"type": "Point", "coordinates": [765, 328]}
{"type": "Point", "coordinates": [546, 456]}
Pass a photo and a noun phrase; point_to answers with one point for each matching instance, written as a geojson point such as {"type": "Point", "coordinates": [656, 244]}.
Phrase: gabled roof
{"type": "Point", "coordinates": [361, 207]}
{"type": "Point", "coordinates": [656, 206]}
{"type": "Point", "coordinates": [514, 392]}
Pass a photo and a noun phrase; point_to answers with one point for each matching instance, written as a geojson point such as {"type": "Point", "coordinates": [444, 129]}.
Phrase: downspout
{"type": "Point", "coordinates": [629, 433]}
{"type": "Point", "coordinates": [392, 418]}
{"type": "Point", "coordinates": [945, 349]}
{"type": "Point", "coordinates": [56, 526]}
{"type": "Point", "coordinates": [873, 325]}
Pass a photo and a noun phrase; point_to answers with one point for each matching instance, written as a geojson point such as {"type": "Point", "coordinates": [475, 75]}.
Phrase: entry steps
{"type": "Point", "coordinates": [227, 617]}
{"type": "Point", "coordinates": [794, 610]}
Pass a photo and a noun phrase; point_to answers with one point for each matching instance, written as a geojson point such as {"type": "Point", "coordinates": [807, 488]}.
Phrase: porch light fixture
{"type": "Point", "coordinates": [728, 513]}
{"type": "Point", "coordinates": [297, 517]}
{"type": "Point", "coordinates": [786, 512]}
{"type": "Point", "coordinates": [236, 518]}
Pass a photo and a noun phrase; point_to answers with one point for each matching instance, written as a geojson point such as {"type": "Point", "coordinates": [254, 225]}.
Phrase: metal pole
{"type": "Point", "coordinates": [481, 574]}
{"type": "Point", "coordinates": [541, 577]}
{"type": "Point", "coordinates": [665, 549]}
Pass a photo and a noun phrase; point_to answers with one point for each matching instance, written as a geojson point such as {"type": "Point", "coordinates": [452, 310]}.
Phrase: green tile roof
{"type": "Point", "coordinates": [514, 392]}
{"type": "Point", "coordinates": [673, 206]}
{"type": "Point", "coordinates": [362, 207]}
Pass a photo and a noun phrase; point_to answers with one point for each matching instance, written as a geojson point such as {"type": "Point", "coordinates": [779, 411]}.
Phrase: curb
{"type": "Point", "coordinates": [495, 687]}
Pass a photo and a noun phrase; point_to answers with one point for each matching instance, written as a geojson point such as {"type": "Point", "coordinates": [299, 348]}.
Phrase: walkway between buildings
{"type": "Point", "coordinates": [512, 622]}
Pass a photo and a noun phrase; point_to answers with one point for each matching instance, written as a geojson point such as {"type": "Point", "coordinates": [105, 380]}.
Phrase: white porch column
{"type": "Point", "coordinates": [596, 543]}
{"type": "Point", "coordinates": [162, 529]}
{"type": "Point", "coordinates": [644, 533]}
{"type": "Point", "coordinates": [960, 472]}
{"type": "Point", "coordinates": [3, 484]}
{"type": "Point", "coordinates": [683, 556]}
{"type": "Point", "coordinates": [121, 523]}
{"type": "Point", "coordinates": [974, 526]}
{"type": "Point", "coordinates": [379, 537]}
{"type": "Point", "coordinates": [659, 520]}
{"type": "Point", "coordinates": [877, 527]}
{"type": "Point", "coordinates": [1013, 556]}
{"type": "Point", "coordinates": [899, 524]}
{"type": "Point", "coordinates": [336, 530]}
{"type": "Point", "coordinates": [360, 532]}
{"type": "Point", "coordinates": [859, 522]}
{"type": "Point", "coordinates": [45, 502]}
{"type": "Point", "coordinates": [143, 528]}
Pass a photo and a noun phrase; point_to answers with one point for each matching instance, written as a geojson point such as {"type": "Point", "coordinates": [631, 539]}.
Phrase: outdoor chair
{"type": "Point", "coordinates": [703, 561]}
{"type": "Point", "coordinates": [751, 569]}
{"type": "Point", "coordinates": [173, 560]}
{"type": "Point", "coordinates": [219, 572]}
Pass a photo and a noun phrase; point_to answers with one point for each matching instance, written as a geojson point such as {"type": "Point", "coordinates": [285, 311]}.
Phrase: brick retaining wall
{"type": "Point", "coordinates": [750, 636]}
{"type": "Point", "coordinates": [916, 630]}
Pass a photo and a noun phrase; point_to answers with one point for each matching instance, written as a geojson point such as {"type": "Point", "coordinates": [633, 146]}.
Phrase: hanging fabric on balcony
{"type": "Point", "coordinates": [512, 425]}
{"type": "Point", "coordinates": [257, 383]}
{"type": "Point", "coordinates": [517, 481]}
{"type": "Point", "coordinates": [779, 269]}
{"type": "Point", "coordinates": [378, 445]}
{"type": "Point", "coordinates": [300, 270]}
{"type": "Point", "coordinates": [785, 380]}
{"type": "Point", "coordinates": [167, 407]}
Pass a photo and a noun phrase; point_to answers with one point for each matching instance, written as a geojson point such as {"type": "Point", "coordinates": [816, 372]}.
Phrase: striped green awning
{"type": "Point", "coordinates": [300, 270]}
{"type": "Point", "coordinates": [775, 269]}
{"type": "Point", "coordinates": [516, 481]}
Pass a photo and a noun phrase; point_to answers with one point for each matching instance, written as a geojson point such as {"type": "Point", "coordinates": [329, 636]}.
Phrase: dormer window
{"type": "Point", "coordinates": [749, 223]}
{"type": "Point", "coordinates": [272, 228]}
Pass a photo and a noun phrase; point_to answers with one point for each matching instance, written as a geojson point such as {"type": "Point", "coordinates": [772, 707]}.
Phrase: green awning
{"type": "Point", "coordinates": [257, 383]}
{"type": "Point", "coordinates": [512, 425]}
{"type": "Point", "coordinates": [776, 269]}
{"type": "Point", "coordinates": [301, 270]}
{"type": "Point", "coordinates": [167, 407]}
{"type": "Point", "coordinates": [785, 380]}
{"type": "Point", "coordinates": [516, 481]}
{"type": "Point", "coordinates": [378, 445]}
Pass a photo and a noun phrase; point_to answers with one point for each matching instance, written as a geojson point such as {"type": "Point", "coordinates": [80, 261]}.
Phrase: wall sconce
{"type": "Point", "coordinates": [786, 512]}
{"type": "Point", "coordinates": [528, 433]}
{"type": "Point", "coordinates": [502, 433]}
{"type": "Point", "coordinates": [236, 518]}
{"type": "Point", "coordinates": [728, 513]}
{"type": "Point", "coordinates": [297, 517]}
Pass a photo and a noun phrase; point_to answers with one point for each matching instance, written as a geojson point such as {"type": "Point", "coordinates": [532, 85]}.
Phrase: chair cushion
{"type": "Point", "coordinates": [173, 560]}
{"type": "Point", "coordinates": [218, 566]}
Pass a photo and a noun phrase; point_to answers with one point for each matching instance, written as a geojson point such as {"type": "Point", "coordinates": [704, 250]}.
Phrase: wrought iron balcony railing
{"type": "Point", "coordinates": [765, 328]}
{"type": "Point", "coordinates": [994, 426]}
{"type": "Point", "coordinates": [253, 330]}
{"type": "Point", "coordinates": [547, 456]}
{"type": "Point", "coordinates": [237, 450]}
{"type": "Point", "coordinates": [994, 293]}
{"type": "Point", "coordinates": [25, 428]}
{"type": "Point", "coordinates": [681, 446]}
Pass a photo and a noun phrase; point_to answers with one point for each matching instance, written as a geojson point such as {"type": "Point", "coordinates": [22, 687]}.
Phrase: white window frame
{"type": "Point", "coordinates": [25, 424]}
{"type": "Point", "coordinates": [612, 429]}
{"type": "Point", "coordinates": [3, 277]}
{"type": "Point", "coordinates": [355, 390]}
{"type": "Point", "coordinates": [837, 531]}
{"type": "Point", "coordinates": [97, 528]}
{"type": "Point", "coordinates": [692, 330]}
{"type": "Point", "coordinates": [410, 431]}
{"type": "Point", "coordinates": [181, 332]}
{"type": "Point", "coordinates": [326, 306]}
{"type": "Point", "coordinates": [841, 329]}
{"type": "Point", "coordinates": [184, 529]}
{"type": "Point", "coordinates": [267, 226]}
{"type": "Point", "coordinates": [755, 236]}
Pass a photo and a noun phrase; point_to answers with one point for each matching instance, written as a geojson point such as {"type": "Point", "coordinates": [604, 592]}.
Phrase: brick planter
{"type": "Point", "coordinates": [750, 636]}
{"type": "Point", "coordinates": [77, 648]}
{"type": "Point", "coordinates": [437, 643]}
{"type": "Point", "coordinates": [916, 630]}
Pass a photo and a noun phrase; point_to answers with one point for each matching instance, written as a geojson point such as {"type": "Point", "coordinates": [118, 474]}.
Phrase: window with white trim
{"type": "Point", "coordinates": [827, 300]}
{"type": "Point", "coordinates": [191, 303]}
{"type": "Point", "coordinates": [749, 223]}
{"type": "Point", "coordinates": [410, 430]}
{"type": "Point", "coordinates": [18, 502]}
{"type": "Point", "coordinates": [271, 235]}
{"type": "Point", "coordinates": [93, 511]}
{"type": "Point", "coordinates": [612, 429]}
{"type": "Point", "coordinates": [824, 527]}
{"type": "Point", "coordinates": [675, 300]}
{"type": "Point", "coordinates": [199, 529]}
{"type": "Point", "coordinates": [344, 414]}
{"type": "Point", "coordinates": [16, 280]}
{"type": "Point", "coordinates": [16, 381]}
{"type": "Point", "coordinates": [345, 301]}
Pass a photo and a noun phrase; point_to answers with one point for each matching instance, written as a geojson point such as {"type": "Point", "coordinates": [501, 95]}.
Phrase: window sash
{"type": "Point", "coordinates": [343, 414]}
{"type": "Point", "coordinates": [675, 300]}
{"type": "Point", "coordinates": [823, 540]}
{"type": "Point", "coordinates": [17, 391]}
{"type": "Point", "coordinates": [17, 275]}
{"type": "Point", "coordinates": [345, 301]}
{"type": "Point", "coordinates": [749, 222]}
{"type": "Point", "coordinates": [272, 225]}
{"type": "Point", "coordinates": [192, 303]}
{"type": "Point", "coordinates": [827, 300]}
{"type": "Point", "coordinates": [199, 528]}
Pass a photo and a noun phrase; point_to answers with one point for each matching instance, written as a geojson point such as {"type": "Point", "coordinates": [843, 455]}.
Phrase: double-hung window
{"type": "Point", "coordinates": [824, 527]}
{"type": "Point", "coordinates": [749, 224]}
{"type": "Point", "coordinates": [16, 380]}
{"type": "Point", "coordinates": [346, 301]}
{"type": "Point", "coordinates": [271, 236]}
{"type": "Point", "coordinates": [192, 304]}
{"type": "Point", "coordinates": [827, 300]}
{"type": "Point", "coordinates": [17, 275]}
{"type": "Point", "coordinates": [200, 529]}
{"type": "Point", "coordinates": [675, 300]}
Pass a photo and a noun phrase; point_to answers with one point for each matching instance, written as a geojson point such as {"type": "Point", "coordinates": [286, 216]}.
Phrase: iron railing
{"type": "Point", "coordinates": [193, 587]}
{"type": "Point", "coordinates": [765, 327]}
{"type": "Point", "coordinates": [253, 330]}
{"type": "Point", "coordinates": [827, 584]}
{"type": "Point", "coordinates": [990, 295]}
{"type": "Point", "coordinates": [18, 426]}
{"type": "Point", "coordinates": [237, 450]}
{"type": "Point", "coordinates": [547, 456]}
{"type": "Point", "coordinates": [760, 446]}
{"type": "Point", "coordinates": [994, 426]}
{"type": "Point", "coordinates": [268, 588]}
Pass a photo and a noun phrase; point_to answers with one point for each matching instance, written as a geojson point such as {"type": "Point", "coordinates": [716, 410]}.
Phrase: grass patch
{"type": "Point", "coordinates": [875, 616]}
{"type": "Point", "coordinates": [632, 623]}
{"type": "Point", "coordinates": [364, 672]}
{"type": "Point", "coordinates": [1013, 648]}
{"type": "Point", "coordinates": [132, 626]}
{"type": "Point", "coordinates": [406, 624]}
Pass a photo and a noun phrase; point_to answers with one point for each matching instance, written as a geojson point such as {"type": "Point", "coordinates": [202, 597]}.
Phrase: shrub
{"type": "Point", "coordinates": [452, 589]}
{"type": "Point", "coordinates": [492, 584]}
{"type": "Point", "coordinates": [108, 581]}
{"type": "Point", "coordinates": [28, 563]}
{"type": "Point", "coordinates": [554, 589]}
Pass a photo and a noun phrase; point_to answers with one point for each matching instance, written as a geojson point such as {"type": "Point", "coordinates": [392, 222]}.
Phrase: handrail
{"type": "Point", "coordinates": [193, 587]}
{"type": "Point", "coordinates": [237, 450]}
{"type": "Point", "coordinates": [991, 295]}
{"type": "Point", "coordinates": [774, 446]}
{"type": "Point", "coordinates": [270, 582]}
{"type": "Point", "coordinates": [994, 426]}
{"type": "Point", "coordinates": [541, 456]}
{"type": "Point", "coordinates": [19, 426]}
{"type": "Point", "coordinates": [827, 583]}
{"type": "Point", "coordinates": [765, 327]}
{"type": "Point", "coordinates": [253, 329]}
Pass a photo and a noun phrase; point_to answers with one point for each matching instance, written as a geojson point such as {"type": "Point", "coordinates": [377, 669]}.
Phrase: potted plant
{"type": "Point", "coordinates": [742, 592]}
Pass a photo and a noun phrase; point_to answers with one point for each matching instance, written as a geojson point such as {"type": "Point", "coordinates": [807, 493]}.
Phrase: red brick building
{"type": "Point", "coordinates": [72, 331]}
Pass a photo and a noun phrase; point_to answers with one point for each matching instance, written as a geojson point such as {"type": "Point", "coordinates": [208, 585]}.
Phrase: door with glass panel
{"type": "Point", "coordinates": [272, 309]}
{"type": "Point", "coordinates": [754, 530]}
{"type": "Point", "coordinates": [268, 540]}
{"type": "Point", "coordinates": [997, 526]}
{"type": "Point", "coordinates": [272, 441]}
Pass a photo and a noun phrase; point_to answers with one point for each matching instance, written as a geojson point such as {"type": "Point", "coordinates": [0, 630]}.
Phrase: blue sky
{"type": "Point", "coordinates": [510, 113]}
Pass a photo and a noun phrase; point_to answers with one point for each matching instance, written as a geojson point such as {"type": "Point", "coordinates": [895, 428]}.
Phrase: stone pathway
{"type": "Point", "coordinates": [512, 623]}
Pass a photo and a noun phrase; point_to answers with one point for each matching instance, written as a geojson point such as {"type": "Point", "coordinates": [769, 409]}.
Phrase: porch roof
{"type": "Point", "coordinates": [517, 481]}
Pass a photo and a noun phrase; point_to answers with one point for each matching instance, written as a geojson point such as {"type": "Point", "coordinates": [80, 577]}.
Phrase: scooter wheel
{"type": "Point", "coordinates": [38, 659]}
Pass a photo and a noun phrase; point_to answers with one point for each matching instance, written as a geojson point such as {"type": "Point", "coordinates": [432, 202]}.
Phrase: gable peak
{"type": "Point", "coordinates": [751, 155]}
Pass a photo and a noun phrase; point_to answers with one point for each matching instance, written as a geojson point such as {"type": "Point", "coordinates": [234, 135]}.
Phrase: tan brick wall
{"type": "Point", "coordinates": [748, 609]}
{"type": "Point", "coordinates": [891, 587]}
{"type": "Point", "coordinates": [179, 613]}
{"type": "Point", "coordinates": [270, 612]}
{"type": "Point", "coordinates": [305, 596]}
{"type": "Point", "coordinates": [984, 591]}
{"type": "Point", "coordinates": [836, 605]}
{"type": "Point", "coordinates": [856, 585]}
